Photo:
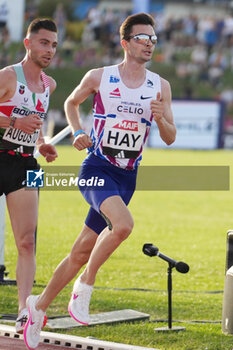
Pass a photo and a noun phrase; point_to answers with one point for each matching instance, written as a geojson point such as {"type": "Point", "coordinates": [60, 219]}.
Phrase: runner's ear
{"type": "Point", "coordinates": [123, 43]}
{"type": "Point", "coordinates": [26, 43]}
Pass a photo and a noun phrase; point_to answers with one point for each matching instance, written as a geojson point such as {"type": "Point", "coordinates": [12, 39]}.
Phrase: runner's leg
{"type": "Point", "coordinates": [23, 210]}
{"type": "Point", "coordinates": [122, 224]}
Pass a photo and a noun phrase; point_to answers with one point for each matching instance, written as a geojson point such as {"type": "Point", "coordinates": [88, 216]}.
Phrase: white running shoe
{"type": "Point", "coordinates": [79, 302]}
{"type": "Point", "coordinates": [34, 323]}
{"type": "Point", "coordinates": [21, 321]}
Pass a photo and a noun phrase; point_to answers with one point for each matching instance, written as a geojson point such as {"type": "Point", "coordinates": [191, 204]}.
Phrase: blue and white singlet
{"type": "Point", "coordinates": [122, 118]}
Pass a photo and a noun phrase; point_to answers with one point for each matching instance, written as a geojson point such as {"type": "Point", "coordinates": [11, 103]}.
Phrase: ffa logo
{"type": "Point", "coordinates": [22, 89]}
{"type": "Point", "coordinates": [113, 79]}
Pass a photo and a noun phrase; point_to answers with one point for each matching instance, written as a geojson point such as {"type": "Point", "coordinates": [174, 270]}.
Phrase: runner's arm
{"type": "Point", "coordinates": [7, 88]}
{"type": "Point", "coordinates": [47, 150]}
{"type": "Point", "coordinates": [89, 85]}
{"type": "Point", "coordinates": [27, 124]}
{"type": "Point", "coordinates": [162, 112]}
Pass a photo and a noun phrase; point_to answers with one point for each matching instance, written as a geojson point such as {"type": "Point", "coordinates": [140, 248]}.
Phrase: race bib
{"type": "Point", "coordinates": [123, 138]}
{"type": "Point", "coordinates": [20, 138]}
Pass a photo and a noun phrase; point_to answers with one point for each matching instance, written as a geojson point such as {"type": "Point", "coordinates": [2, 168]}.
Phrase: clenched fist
{"type": "Point", "coordinates": [82, 141]}
{"type": "Point", "coordinates": [157, 108]}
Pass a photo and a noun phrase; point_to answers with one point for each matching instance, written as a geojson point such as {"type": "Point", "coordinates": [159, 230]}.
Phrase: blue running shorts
{"type": "Point", "coordinates": [98, 180]}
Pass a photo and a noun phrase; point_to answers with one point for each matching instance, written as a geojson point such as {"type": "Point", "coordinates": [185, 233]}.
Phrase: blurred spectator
{"type": "Point", "coordinates": [109, 21]}
{"type": "Point", "coordinates": [94, 19]}
{"type": "Point", "coordinates": [88, 34]}
{"type": "Point", "coordinates": [188, 46]}
{"type": "Point", "coordinates": [19, 55]}
{"type": "Point", "coordinates": [211, 34]}
{"type": "Point", "coordinates": [217, 65]}
{"type": "Point", "coordinates": [182, 69]}
{"type": "Point", "coordinates": [199, 55]}
{"type": "Point", "coordinates": [59, 17]}
{"type": "Point", "coordinates": [5, 39]}
{"type": "Point", "coordinates": [228, 27]}
{"type": "Point", "coordinates": [68, 47]}
{"type": "Point", "coordinates": [4, 58]}
{"type": "Point", "coordinates": [189, 26]}
{"type": "Point", "coordinates": [79, 57]}
{"type": "Point", "coordinates": [227, 96]}
{"type": "Point", "coordinates": [202, 26]}
{"type": "Point", "coordinates": [31, 13]}
{"type": "Point", "coordinates": [3, 16]}
{"type": "Point", "coordinates": [4, 36]}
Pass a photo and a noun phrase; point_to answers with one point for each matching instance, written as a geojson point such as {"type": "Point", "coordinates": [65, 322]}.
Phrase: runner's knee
{"type": "Point", "coordinates": [26, 244]}
{"type": "Point", "coordinates": [79, 258]}
{"type": "Point", "coordinates": [123, 229]}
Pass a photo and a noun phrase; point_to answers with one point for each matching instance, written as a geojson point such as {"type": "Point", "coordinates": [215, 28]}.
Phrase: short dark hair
{"type": "Point", "coordinates": [41, 23]}
{"type": "Point", "coordinates": [129, 22]}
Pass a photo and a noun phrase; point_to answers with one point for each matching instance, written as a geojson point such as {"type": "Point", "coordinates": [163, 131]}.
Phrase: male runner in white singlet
{"type": "Point", "coordinates": [127, 97]}
{"type": "Point", "coordinates": [24, 101]}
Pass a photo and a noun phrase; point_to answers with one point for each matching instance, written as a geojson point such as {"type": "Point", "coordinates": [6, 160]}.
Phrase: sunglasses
{"type": "Point", "coordinates": [144, 38]}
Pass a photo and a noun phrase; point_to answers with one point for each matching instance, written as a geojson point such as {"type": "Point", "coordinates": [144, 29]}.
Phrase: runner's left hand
{"type": "Point", "coordinates": [48, 151]}
{"type": "Point", "coordinates": [157, 108]}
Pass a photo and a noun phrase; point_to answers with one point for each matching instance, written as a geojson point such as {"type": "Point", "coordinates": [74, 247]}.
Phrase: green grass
{"type": "Point", "coordinates": [186, 225]}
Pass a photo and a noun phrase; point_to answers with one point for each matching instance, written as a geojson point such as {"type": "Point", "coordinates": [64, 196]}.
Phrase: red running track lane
{"type": "Point", "coordinates": [18, 344]}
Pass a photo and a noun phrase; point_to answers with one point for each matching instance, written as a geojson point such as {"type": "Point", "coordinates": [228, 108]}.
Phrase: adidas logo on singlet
{"type": "Point", "coordinates": [121, 154]}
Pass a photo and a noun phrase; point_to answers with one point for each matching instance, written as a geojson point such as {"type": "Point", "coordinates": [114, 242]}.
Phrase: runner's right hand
{"type": "Point", "coordinates": [29, 124]}
{"type": "Point", "coordinates": [82, 141]}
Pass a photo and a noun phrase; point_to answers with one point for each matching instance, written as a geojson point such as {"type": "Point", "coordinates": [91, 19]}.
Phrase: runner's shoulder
{"type": "Point", "coordinates": [8, 80]}
{"type": "Point", "coordinates": [93, 77]}
{"type": "Point", "coordinates": [8, 75]}
{"type": "Point", "coordinates": [95, 74]}
{"type": "Point", "coordinates": [52, 84]}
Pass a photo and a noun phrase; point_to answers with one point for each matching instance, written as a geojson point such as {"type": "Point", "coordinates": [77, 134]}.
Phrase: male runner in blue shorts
{"type": "Point", "coordinates": [24, 100]}
{"type": "Point", "coordinates": [127, 97]}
